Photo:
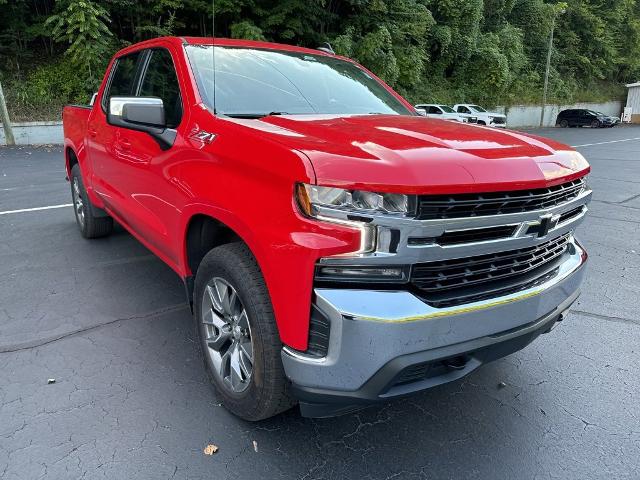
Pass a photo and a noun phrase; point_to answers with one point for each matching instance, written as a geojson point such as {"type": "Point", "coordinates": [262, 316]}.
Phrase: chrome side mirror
{"type": "Point", "coordinates": [144, 114]}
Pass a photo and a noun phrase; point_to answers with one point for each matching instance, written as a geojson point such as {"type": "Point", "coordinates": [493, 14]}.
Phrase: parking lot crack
{"type": "Point", "coordinates": [618, 204]}
{"type": "Point", "coordinates": [608, 318]}
{"type": "Point", "coordinates": [42, 342]}
{"type": "Point", "coordinates": [584, 422]}
{"type": "Point", "coordinates": [630, 199]}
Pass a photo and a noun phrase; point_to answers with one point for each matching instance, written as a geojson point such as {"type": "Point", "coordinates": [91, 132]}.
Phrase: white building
{"type": "Point", "coordinates": [633, 101]}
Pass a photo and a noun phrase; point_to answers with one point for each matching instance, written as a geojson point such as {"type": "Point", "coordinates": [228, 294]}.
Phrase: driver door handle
{"type": "Point", "coordinates": [124, 144]}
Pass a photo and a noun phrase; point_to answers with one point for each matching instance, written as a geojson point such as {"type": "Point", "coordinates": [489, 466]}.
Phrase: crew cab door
{"type": "Point", "coordinates": [103, 144]}
{"type": "Point", "coordinates": [134, 171]}
{"type": "Point", "coordinates": [152, 208]}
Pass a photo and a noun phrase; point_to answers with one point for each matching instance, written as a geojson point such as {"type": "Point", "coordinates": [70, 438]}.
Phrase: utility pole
{"type": "Point", "coordinates": [559, 11]}
{"type": "Point", "coordinates": [4, 118]}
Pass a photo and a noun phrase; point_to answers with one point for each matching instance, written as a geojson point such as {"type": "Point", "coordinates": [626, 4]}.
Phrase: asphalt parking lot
{"type": "Point", "coordinates": [108, 321]}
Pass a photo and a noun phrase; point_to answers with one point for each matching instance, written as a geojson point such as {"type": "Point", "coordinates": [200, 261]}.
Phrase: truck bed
{"type": "Point", "coordinates": [74, 120]}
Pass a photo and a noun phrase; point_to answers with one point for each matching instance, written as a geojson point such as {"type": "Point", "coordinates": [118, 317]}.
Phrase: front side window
{"type": "Point", "coordinates": [447, 109]}
{"type": "Point", "coordinates": [160, 80]}
{"type": "Point", "coordinates": [478, 108]}
{"type": "Point", "coordinates": [463, 110]}
{"type": "Point", "coordinates": [255, 82]}
{"type": "Point", "coordinates": [435, 110]}
{"type": "Point", "coordinates": [123, 78]}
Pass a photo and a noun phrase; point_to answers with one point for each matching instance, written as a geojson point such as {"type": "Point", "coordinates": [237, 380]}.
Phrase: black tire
{"type": "Point", "coordinates": [564, 123]}
{"type": "Point", "coordinates": [596, 124]}
{"type": "Point", "coordinates": [267, 390]}
{"type": "Point", "coordinates": [482, 122]}
{"type": "Point", "coordinates": [92, 222]}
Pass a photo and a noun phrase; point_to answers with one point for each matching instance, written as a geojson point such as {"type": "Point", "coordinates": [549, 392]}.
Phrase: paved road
{"type": "Point", "coordinates": [107, 320]}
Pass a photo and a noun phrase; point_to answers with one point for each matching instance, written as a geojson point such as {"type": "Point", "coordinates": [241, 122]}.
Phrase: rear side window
{"type": "Point", "coordinates": [123, 78]}
{"type": "Point", "coordinates": [160, 80]}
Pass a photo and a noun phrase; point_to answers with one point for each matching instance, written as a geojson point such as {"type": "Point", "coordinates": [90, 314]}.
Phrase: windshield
{"type": "Point", "coordinates": [253, 82]}
{"type": "Point", "coordinates": [477, 108]}
{"type": "Point", "coordinates": [447, 109]}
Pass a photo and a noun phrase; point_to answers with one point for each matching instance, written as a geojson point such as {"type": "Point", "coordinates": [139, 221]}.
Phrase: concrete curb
{"type": "Point", "coordinates": [35, 133]}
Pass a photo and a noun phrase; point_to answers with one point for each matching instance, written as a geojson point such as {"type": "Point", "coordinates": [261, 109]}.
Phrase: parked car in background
{"type": "Point", "coordinates": [580, 117]}
{"type": "Point", "coordinates": [491, 119]}
{"type": "Point", "coordinates": [332, 256]}
{"type": "Point", "coordinates": [444, 112]}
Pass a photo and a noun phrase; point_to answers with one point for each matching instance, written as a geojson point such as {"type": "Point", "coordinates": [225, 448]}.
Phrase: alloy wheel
{"type": "Point", "coordinates": [78, 203]}
{"type": "Point", "coordinates": [227, 335]}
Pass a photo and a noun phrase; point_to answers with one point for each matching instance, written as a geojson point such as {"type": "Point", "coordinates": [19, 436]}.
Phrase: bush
{"type": "Point", "coordinates": [46, 89]}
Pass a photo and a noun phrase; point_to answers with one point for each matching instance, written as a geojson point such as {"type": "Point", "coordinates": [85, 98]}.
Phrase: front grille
{"type": "Point", "coordinates": [433, 207]}
{"type": "Point", "coordinates": [499, 121]}
{"type": "Point", "coordinates": [476, 235]}
{"type": "Point", "coordinates": [455, 282]}
{"type": "Point", "coordinates": [571, 214]}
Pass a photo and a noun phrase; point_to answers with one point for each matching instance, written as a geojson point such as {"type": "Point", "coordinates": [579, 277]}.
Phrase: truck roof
{"type": "Point", "coordinates": [223, 42]}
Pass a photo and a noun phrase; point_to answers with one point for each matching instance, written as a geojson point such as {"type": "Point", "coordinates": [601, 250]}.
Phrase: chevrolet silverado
{"type": "Point", "coordinates": [337, 249]}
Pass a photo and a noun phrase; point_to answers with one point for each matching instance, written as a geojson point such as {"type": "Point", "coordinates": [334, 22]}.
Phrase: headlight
{"type": "Point", "coordinates": [316, 201]}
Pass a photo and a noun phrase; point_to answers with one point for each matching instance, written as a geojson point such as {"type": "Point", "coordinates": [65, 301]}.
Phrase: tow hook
{"type": "Point", "coordinates": [553, 325]}
{"type": "Point", "coordinates": [456, 363]}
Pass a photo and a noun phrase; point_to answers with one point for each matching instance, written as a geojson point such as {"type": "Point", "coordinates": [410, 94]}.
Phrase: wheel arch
{"type": "Point", "coordinates": [204, 233]}
{"type": "Point", "coordinates": [205, 229]}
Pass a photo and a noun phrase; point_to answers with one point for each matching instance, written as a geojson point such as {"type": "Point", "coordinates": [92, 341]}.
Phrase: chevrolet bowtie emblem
{"type": "Point", "coordinates": [542, 227]}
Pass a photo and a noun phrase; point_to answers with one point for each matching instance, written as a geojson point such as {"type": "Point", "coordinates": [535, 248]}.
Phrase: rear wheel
{"type": "Point", "coordinates": [237, 334]}
{"type": "Point", "coordinates": [91, 221]}
{"type": "Point", "coordinates": [564, 123]}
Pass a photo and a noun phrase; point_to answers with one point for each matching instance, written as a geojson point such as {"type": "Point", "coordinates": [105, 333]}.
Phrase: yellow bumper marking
{"type": "Point", "coordinates": [456, 311]}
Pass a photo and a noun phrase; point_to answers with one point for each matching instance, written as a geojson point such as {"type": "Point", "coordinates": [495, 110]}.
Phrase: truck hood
{"type": "Point", "coordinates": [492, 114]}
{"type": "Point", "coordinates": [392, 153]}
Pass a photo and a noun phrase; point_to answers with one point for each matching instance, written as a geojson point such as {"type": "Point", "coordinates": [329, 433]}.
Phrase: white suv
{"type": "Point", "coordinates": [444, 112]}
{"type": "Point", "coordinates": [490, 119]}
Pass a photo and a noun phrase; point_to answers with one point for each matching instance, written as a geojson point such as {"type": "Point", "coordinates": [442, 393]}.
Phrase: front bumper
{"type": "Point", "coordinates": [385, 344]}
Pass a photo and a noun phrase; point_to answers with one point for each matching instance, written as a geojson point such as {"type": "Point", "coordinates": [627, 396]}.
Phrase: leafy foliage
{"type": "Point", "coordinates": [488, 51]}
{"type": "Point", "coordinates": [81, 24]}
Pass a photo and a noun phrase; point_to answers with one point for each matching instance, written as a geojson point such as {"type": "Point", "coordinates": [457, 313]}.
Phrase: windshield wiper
{"type": "Point", "coordinates": [254, 115]}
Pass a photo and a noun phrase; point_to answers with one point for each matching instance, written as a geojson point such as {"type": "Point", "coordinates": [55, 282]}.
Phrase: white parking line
{"type": "Point", "coordinates": [605, 143]}
{"type": "Point", "coordinates": [23, 210]}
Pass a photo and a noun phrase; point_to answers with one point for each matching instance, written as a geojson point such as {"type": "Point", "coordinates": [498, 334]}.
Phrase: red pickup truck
{"type": "Point", "coordinates": [337, 248]}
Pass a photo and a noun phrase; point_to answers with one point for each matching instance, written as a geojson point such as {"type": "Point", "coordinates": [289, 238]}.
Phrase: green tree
{"type": "Point", "coordinates": [490, 51]}
{"type": "Point", "coordinates": [83, 25]}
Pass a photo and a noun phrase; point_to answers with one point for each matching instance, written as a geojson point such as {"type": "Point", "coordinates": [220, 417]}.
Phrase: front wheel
{"type": "Point", "coordinates": [237, 334]}
{"type": "Point", "coordinates": [564, 123]}
{"type": "Point", "coordinates": [90, 222]}
{"type": "Point", "coordinates": [595, 124]}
